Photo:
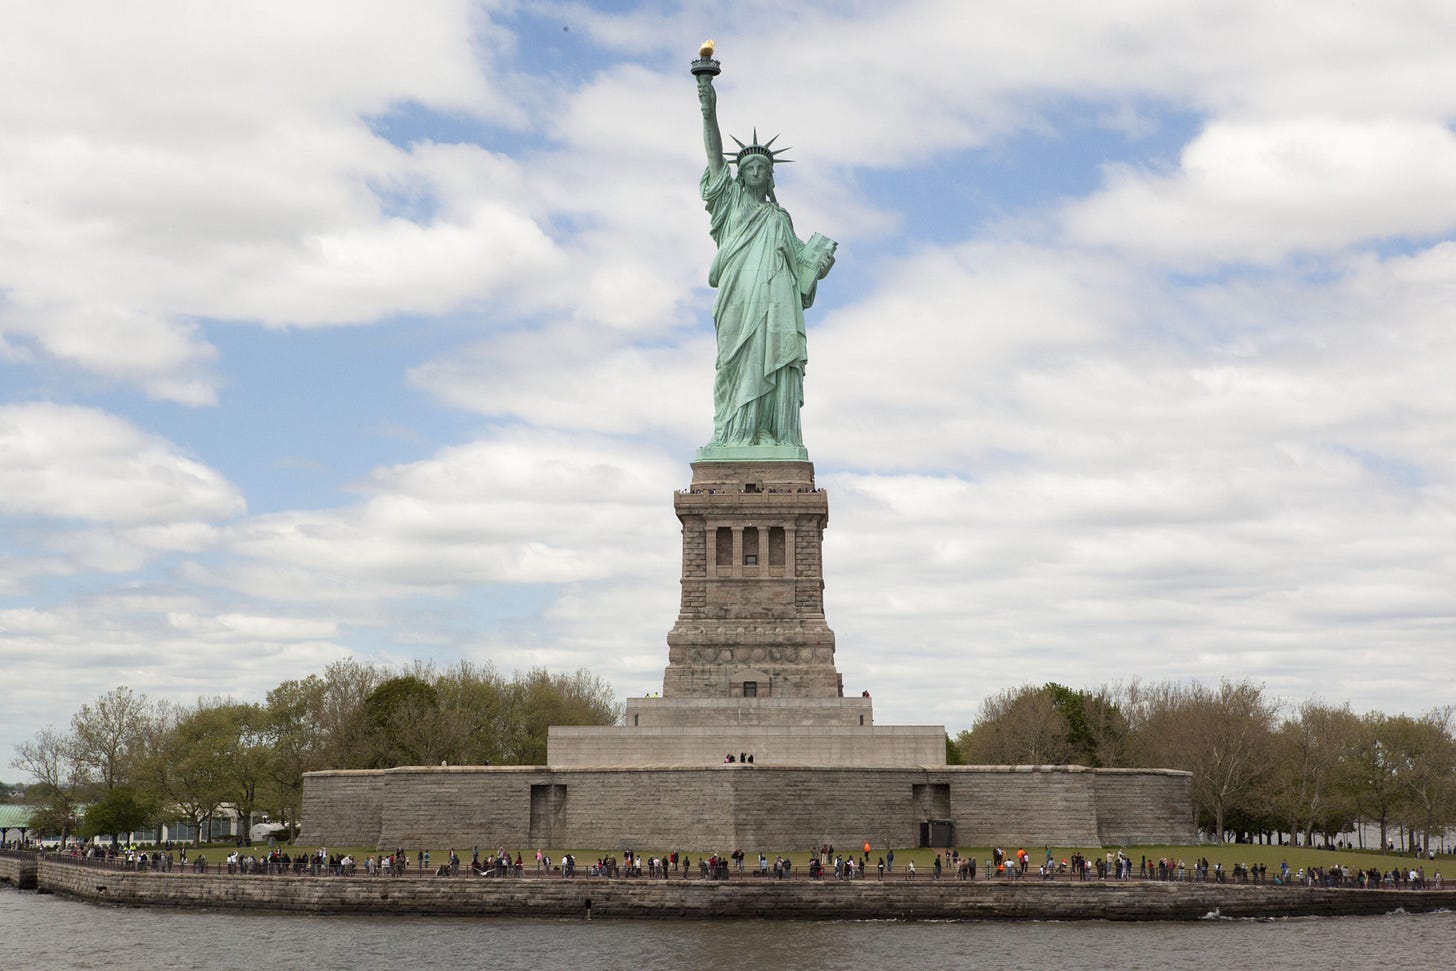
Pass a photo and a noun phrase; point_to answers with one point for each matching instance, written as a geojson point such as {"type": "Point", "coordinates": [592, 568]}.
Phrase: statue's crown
{"type": "Point", "coordinates": [766, 150]}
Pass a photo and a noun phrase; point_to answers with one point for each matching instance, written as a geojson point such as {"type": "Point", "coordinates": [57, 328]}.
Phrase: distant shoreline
{"type": "Point", "coordinates": [742, 897]}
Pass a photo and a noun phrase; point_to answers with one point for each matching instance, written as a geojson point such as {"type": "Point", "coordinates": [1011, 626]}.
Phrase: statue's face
{"type": "Point", "coordinates": [756, 173]}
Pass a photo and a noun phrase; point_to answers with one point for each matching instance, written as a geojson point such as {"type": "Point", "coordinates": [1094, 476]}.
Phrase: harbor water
{"type": "Point", "coordinates": [51, 932]}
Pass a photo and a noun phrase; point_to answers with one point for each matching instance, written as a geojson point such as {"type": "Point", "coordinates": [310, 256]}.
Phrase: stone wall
{"type": "Point", "coordinates": [345, 801]}
{"type": "Point", "coordinates": [733, 712]}
{"type": "Point", "coordinates": [18, 869]}
{"type": "Point", "coordinates": [1131, 802]}
{"type": "Point", "coordinates": [749, 807]}
{"type": "Point", "coordinates": [1026, 805]}
{"type": "Point", "coordinates": [738, 899]}
{"type": "Point", "coordinates": [893, 746]}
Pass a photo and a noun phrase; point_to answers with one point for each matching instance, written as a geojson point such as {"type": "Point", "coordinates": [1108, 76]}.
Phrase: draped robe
{"type": "Point", "coordinates": [758, 315]}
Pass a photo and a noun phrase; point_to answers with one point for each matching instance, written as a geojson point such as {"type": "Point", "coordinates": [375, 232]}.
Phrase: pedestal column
{"type": "Point", "coordinates": [764, 626]}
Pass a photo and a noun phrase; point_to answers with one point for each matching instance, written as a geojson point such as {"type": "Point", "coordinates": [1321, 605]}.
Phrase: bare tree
{"type": "Point", "coordinates": [61, 773]}
{"type": "Point", "coordinates": [1018, 726]}
{"type": "Point", "coordinates": [110, 731]}
{"type": "Point", "coordinates": [340, 718]}
{"type": "Point", "coordinates": [540, 699]}
{"type": "Point", "coordinates": [1222, 735]}
{"type": "Point", "coordinates": [476, 703]}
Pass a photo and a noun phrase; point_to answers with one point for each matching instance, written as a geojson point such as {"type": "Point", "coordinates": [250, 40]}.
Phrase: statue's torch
{"type": "Point", "coordinates": [705, 63]}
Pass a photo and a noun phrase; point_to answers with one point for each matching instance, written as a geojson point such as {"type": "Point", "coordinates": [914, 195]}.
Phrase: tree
{"type": "Point", "coordinates": [1315, 774]}
{"type": "Point", "coordinates": [340, 718]}
{"type": "Point", "coordinates": [109, 733]}
{"type": "Point", "coordinates": [1222, 735]}
{"type": "Point", "coordinates": [477, 702]}
{"type": "Point", "coordinates": [1426, 770]}
{"type": "Point", "coordinates": [121, 809]}
{"type": "Point", "coordinates": [1049, 724]}
{"type": "Point", "coordinates": [1095, 725]}
{"type": "Point", "coordinates": [1378, 761]}
{"type": "Point", "coordinates": [53, 819]}
{"type": "Point", "coordinates": [61, 774]}
{"type": "Point", "coordinates": [542, 699]}
{"type": "Point", "coordinates": [188, 763]}
{"type": "Point", "coordinates": [404, 723]}
{"type": "Point", "coordinates": [1018, 726]}
{"type": "Point", "coordinates": [296, 741]}
{"type": "Point", "coordinates": [248, 775]}
{"type": "Point", "coordinates": [953, 751]}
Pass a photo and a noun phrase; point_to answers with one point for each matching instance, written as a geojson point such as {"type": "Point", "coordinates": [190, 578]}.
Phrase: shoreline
{"type": "Point", "coordinates": [742, 897]}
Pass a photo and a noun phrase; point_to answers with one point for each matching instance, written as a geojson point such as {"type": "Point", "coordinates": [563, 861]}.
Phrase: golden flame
{"type": "Point", "coordinates": [706, 50]}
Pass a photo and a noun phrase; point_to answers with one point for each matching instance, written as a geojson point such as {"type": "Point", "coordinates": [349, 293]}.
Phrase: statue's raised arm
{"type": "Point", "coordinates": [712, 135]}
{"type": "Point", "coordinates": [766, 277]}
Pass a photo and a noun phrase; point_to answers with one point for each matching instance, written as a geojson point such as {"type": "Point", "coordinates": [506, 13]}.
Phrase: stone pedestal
{"type": "Point", "coordinates": [751, 676]}
{"type": "Point", "coordinates": [752, 617]}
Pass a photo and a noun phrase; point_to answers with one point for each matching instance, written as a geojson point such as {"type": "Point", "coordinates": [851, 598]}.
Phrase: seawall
{"type": "Point", "coordinates": [18, 870]}
{"type": "Point", "coordinates": [740, 898]}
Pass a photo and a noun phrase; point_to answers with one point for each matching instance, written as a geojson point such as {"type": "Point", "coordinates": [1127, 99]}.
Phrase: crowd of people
{"type": "Point", "coordinates": [821, 864]}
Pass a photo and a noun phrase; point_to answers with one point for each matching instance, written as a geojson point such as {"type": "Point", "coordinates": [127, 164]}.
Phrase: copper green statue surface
{"type": "Point", "coordinates": [766, 277]}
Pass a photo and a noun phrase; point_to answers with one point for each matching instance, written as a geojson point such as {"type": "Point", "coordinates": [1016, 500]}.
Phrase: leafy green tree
{"type": "Point", "coordinates": [120, 809]}
{"type": "Point", "coordinates": [1431, 785]}
{"type": "Point", "coordinates": [470, 715]}
{"type": "Point", "coordinates": [1095, 725]}
{"type": "Point", "coordinates": [57, 818]}
{"type": "Point", "coordinates": [952, 751]}
{"type": "Point", "coordinates": [404, 723]}
{"type": "Point", "coordinates": [1313, 785]}
{"type": "Point", "coordinates": [1047, 724]}
{"type": "Point", "coordinates": [476, 702]}
{"type": "Point", "coordinates": [1378, 762]}
{"type": "Point", "coordinates": [296, 743]}
{"type": "Point", "coordinates": [188, 768]}
{"type": "Point", "coordinates": [249, 756]}
{"type": "Point", "coordinates": [1420, 758]}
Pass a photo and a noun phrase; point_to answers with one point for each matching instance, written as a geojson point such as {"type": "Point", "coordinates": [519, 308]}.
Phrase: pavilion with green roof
{"type": "Point", "coordinates": [13, 816]}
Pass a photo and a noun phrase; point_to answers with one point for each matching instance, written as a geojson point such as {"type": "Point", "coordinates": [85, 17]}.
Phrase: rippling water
{"type": "Point", "coordinates": [44, 931]}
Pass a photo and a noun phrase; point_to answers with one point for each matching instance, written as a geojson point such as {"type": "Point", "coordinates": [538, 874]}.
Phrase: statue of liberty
{"type": "Point", "coordinates": [766, 278]}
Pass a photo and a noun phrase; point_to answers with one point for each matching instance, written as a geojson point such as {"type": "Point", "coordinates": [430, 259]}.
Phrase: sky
{"type": "Point", "coordinates": [381, 330]}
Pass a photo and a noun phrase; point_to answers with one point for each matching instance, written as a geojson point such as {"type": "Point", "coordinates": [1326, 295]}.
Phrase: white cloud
{"type": "Point", "coordinates": [519, 509]}
{"type": "Point", "coordinates": [135, 203]}
{"type": "Point", "coordinates": [1254, 193]}
{"type": "Point", "coordinates": [580, 378]}
{"type": "Point", "coordinates": [81, 463]}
